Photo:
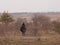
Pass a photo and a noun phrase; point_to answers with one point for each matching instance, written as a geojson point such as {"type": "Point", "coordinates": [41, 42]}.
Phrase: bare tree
{"type": "Point", "coordinates": [35, 25]}
{"type": "Point", "coordinates": [56, 25]}
{"type": "Point", "coordinates": [42, 22]}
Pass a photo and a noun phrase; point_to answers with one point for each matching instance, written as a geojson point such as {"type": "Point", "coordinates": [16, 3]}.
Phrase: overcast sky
{"type": "Point", "coordinates": [30, 5]}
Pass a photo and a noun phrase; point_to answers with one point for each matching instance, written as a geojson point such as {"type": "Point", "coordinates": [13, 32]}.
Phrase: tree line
{"type": "Point", "coordinates": [40, 23]}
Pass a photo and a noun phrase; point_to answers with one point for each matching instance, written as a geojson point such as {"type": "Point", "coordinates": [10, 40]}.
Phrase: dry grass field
{"type": "Point", "coordinates": [31, 40]}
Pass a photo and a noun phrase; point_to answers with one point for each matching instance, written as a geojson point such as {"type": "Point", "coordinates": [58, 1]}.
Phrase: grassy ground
{"type": "Point", "coordinates": [26, 40]}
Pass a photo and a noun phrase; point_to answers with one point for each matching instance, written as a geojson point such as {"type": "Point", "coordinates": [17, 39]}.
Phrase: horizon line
{"type": "Point", "coordinates": [32, 12]}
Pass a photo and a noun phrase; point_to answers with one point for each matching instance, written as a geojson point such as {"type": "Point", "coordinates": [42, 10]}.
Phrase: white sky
{"type": "Point", "coordinates": [30, 5]}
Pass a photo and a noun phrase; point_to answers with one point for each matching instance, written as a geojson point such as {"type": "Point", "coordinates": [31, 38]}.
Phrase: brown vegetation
{"type": "Point", "coordinates": [41, 31]}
